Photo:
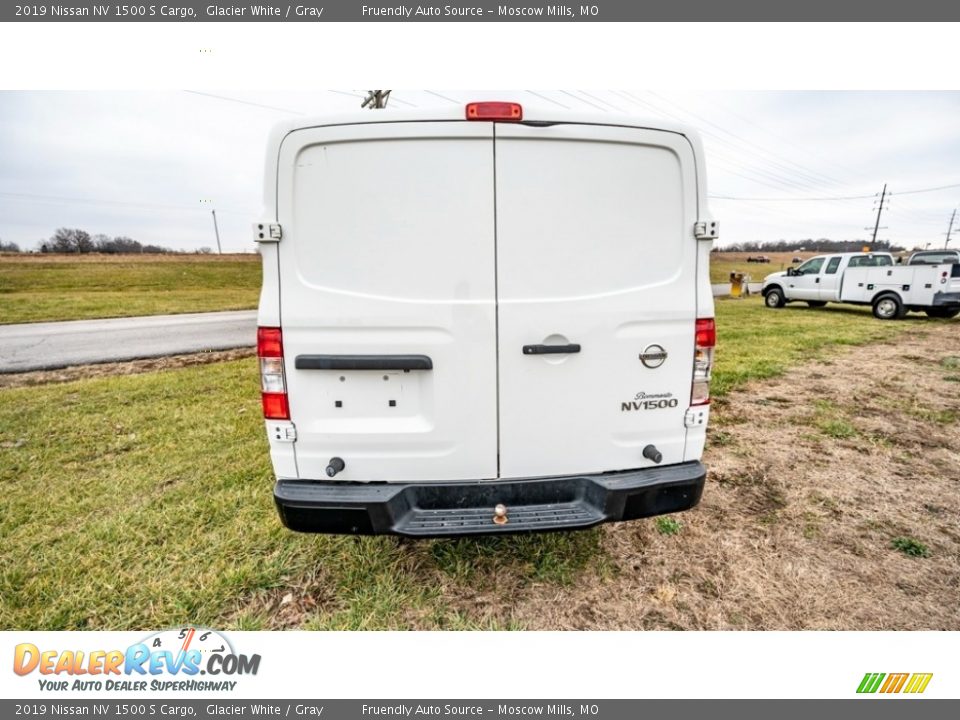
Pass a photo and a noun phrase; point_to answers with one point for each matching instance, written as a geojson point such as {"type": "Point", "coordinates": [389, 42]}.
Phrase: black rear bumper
{"type": "Point", "coordinates": [467, 508]}
{"type": "Point", "coordinates": [942, 299]}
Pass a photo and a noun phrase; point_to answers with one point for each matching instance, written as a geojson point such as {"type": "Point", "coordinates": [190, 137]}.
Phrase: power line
{"type": "Point", "coordinates": [348, 94]}
{"type": "Point", "coordinates": [66, 200]}
{"type": "Point", "coordinates": [550, 100]}
{"type": "Point", "coordinates": [593, 105]}
{"type": "Point", "coordinates": [594, 97]}
{"type": "Point", "coordinates": [244, 102]}
{"type": "Point", "coordinates": [847, 197]}
{"type": "Point", "coordinates": [799, 169]}
{"type": "Point", "coordinates": [925, 190]}
{"type": "Point", "coordinates": [785, 181]}
{"type": "Point", "coordinates": [441, 96]}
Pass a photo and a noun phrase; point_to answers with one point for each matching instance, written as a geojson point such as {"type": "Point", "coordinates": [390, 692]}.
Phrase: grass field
{"type": "Point", "coordinates": [724, 263]}
{"type": "Point", "coordinates": [144, 501]}
{"type": "Point", "coordinates": [36, 288]}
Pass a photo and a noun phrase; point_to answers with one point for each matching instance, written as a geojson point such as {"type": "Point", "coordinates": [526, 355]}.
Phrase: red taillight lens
{"type": "Point", "coordinates": [706, 333]}
{"type": "Point", "coordinates": [501, 111]}
{"type": "Point", "coordinates": [269, 342]}
{"type": "Point", "coordinates": [706, 340]}
{"type": "Point", "coordinates": [273, 384]}
{"type": "Point", "coordinates": [275, 406]}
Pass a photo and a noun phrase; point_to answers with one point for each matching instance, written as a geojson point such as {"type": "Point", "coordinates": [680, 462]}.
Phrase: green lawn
{"type": "Point", "coordinates": [36, 290]}
{"type": "Point", "coordinates": [755, 342]}
{"type": "Point", "coordinates": [145, 501]}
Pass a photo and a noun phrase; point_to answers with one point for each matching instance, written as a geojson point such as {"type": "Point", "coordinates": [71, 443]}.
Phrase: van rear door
{"type": "Point", "coordinates": [596, 266]}
{"type": "Point", "coordinates": [387, 299]}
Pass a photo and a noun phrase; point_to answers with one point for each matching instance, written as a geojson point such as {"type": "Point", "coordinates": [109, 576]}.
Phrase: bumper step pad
{"type": "Point", "coordinates": [439, 509]}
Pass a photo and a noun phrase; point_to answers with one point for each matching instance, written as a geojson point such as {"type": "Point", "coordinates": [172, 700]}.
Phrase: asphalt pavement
{"type": "Point", "coordinates": [48, 346]}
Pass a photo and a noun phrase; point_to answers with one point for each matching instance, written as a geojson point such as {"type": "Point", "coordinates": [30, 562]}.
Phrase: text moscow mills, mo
{"type": "Point", "coordinates": [313, 12]}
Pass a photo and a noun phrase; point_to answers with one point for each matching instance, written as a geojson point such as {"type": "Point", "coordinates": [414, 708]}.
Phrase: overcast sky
{"type": "Point", "coordinates": [151, 165]}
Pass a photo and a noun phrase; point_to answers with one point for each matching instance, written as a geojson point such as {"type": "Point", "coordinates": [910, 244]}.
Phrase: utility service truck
{"type": "Point", "coordinates": [484, 319]}
{"type": "Point", "coordinates": [868, 279]}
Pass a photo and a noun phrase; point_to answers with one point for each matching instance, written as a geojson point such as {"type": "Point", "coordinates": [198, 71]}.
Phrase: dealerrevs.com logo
{"type": "Point", "coordinates": [168, 660]}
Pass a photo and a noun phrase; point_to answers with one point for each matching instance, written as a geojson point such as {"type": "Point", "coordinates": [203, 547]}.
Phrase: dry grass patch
{"type": "Point", "coordinates": [798, 528]}
{"type": "Point", "coordinates": [130, 367]}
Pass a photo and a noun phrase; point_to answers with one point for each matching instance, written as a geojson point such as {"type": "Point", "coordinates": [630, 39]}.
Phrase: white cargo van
{"type": "Point", "coordinates": [485, 319]}
{"type": "Point", "coordinates": [868, 279]}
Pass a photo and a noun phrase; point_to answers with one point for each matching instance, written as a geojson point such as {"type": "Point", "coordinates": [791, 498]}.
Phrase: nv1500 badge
{"type": "Point", "coordinates": [649, 401]}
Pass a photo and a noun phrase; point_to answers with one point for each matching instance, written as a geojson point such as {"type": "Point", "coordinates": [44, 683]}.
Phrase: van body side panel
{"type": "Point", "coordinates": [388, 252]}
{"type": "Point", "coordinates": [595, 247]}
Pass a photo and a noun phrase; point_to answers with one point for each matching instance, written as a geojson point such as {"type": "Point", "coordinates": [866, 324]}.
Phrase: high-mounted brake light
{"type": "Point", "coordinates": [273, 385]}
{"type": "Point", "coordinates": [706, 340]}
{"type": "Point", "coordinates": [497, 111]}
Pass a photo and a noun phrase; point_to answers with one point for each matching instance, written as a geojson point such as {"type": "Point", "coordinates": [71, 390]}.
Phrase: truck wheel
{"type": "Point", "coordinates": [943, 313]}
{"type": "Point", "coordinates": [816, 303]}
{"type": "Point", "coordinates": [888, 307]}
{"type": "Point", "coordinates": [774, 298]}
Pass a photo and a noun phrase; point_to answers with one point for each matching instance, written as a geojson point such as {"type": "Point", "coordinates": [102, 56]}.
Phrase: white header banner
{"type": "Point", "coordinates": [188, 662]}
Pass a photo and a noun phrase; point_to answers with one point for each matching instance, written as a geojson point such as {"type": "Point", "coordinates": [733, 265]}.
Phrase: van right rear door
{"type": "Point", "coordinates": [596, 267]}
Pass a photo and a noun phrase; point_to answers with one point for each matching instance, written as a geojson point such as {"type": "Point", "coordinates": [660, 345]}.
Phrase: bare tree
{"type": "Point", "coordinates": [83, 241]}
{"type": "Point", "coordinates": [63, 241]}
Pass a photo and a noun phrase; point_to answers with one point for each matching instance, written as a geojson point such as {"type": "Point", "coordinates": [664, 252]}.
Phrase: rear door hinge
{"type": "Point", "coordinates": [707, 230]}
{"type": "Point", "coordinates": [282, 431]}
{"type": "Point", "coordinates": [695, 417]}
{"type": "Point", "coordinates": [265, 232]}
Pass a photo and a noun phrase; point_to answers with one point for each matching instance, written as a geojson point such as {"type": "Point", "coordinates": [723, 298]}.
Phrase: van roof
{"type": "Point", "coordinates": [532, 113]}
{"type": "Point", "coordinates": [446, 113]}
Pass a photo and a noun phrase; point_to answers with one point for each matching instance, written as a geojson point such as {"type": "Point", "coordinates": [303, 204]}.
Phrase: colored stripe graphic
{"type": "Point", "coordinates": [894, 683]}
{"type": "Point", "coordinates": [870, 682]}
{"type": "Point", "coordinates": [918, 683]}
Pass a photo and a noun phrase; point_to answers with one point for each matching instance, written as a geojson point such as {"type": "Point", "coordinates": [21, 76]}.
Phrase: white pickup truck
{"type": "Point", "coordinates": [868, 279]}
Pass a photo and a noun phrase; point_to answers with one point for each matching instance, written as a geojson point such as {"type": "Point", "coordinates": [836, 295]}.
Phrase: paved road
{"type": "Point", "coordinates": [47, 346]}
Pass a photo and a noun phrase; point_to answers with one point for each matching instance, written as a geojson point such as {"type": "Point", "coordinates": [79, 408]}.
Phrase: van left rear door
{"type": "Point", "coordinates": [388, 255]}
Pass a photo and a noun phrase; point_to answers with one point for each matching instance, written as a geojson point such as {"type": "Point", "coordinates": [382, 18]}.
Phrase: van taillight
{"type": "Point", "coordinates": [500, 111]}
{"type": "Point", "coordinates": [273, 385]}
{"type": "Point", "coordinates": [706, 340]}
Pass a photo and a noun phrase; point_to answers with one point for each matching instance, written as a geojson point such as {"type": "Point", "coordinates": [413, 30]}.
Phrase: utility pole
{"type": "Point", "coordinates": [876, 226]}
{"type": "Point", "coordinates": [217, 231]}
{"type": "Point", "coordinates": [950, 228]}
{"type": "Point", "coordinates": [376, 99]}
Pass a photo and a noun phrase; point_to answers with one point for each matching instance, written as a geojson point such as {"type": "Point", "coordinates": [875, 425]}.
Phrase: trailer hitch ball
{"type": "Point", "coordinates": [336, 465]}
{"type": "Point", "coordinates": [650, 452]}
{"type": "Point", "coordinates": [500, 514]}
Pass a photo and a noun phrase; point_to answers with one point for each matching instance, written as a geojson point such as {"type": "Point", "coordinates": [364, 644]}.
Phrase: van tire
{"type": "Point", "coordinates": [888, 307]}
{"type": "Point", "coordinates": [773, 297]}
{"type": "Point", "coordinates": [943, 313]}
{"type": "Point", "coordinates": [816, 303]}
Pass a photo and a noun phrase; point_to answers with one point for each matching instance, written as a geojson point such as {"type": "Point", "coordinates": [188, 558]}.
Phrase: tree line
{"type": "Point", "coordinates": [75, 240]}
{"type": "Point", "coordinates": [821, 245]}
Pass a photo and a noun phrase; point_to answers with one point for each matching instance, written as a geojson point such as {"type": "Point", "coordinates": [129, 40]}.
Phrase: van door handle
{"type": "Point", "coordinates": [550, 349]}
